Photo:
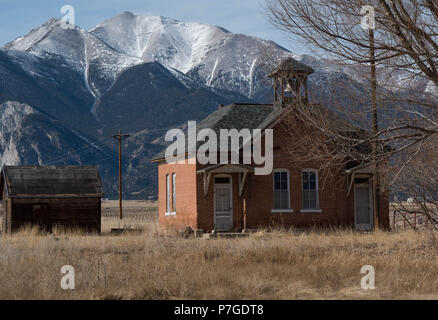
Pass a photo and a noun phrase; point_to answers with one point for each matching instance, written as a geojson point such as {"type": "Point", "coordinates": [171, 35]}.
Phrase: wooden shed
{"type": "Point", "coordinates": [48, 196]}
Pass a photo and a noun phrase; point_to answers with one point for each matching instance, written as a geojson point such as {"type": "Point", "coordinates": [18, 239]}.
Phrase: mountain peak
{"type": "Point", "coordinates": [207, 54]}
{"type": "Point", "coordinates": [26, 42]}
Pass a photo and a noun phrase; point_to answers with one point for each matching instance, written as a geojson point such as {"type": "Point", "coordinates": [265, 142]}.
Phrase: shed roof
{"type": "Point", "coordinates": [52, 182]}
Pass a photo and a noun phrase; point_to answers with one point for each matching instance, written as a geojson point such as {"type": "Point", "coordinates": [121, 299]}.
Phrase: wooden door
{"type": "Point", "coordinates": [223, 208]}
{"type": "Point", "coordinates": [39, 216]}
{"type": "Point", "coordinates": [363, 207]}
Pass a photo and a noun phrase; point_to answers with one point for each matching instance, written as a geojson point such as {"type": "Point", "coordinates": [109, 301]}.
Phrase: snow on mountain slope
{"type": "Point", "coordinates": [210, 55]}
{"type": "Point", "coordinates": [198, 54]}
{"type": "Point", "coordinates": [29, 137]}
{"type": "Point", "coordinates": [98, 63]}
{"type": "Point", "coordinates": [11, 115]}
{"type": "Point", "coordinates": [53, 39]}
{"type": "Point", "coordinates": [180, 45]}
{"type": "Point", "coordinates": [102, 64]}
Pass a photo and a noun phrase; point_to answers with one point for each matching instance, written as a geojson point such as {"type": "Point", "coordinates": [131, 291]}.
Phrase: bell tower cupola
{"type": "Point", "coordinates": [290, 82]}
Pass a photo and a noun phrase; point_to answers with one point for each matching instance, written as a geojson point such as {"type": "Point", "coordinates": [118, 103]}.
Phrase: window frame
{"type": "Point", "coordinates": [283, 210]}
{"type": "Point", "coordinates": [173, 206]}
{"type": "Point", "coordinates": [167, 211]}
{"type": "Point", "coordinates": [318, 208]}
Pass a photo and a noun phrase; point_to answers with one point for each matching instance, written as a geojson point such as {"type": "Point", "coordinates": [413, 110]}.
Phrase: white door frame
{"type": "Point", "coordinates": [230, 187]}
{"type": "Point", "coordinates": [370, 201]}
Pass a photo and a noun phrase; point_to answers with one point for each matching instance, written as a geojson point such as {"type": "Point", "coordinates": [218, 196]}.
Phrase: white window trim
{"type": "Point", "coordinates": [284, 210]}
{"type": "Point", "coordinates": [173, 213]}
{"type": "Point", "coordinates": [167, 194]}
{"type": "Point", "coordinates": [168, 197]}
{"type": "Point", "coordinates": [310, 210]}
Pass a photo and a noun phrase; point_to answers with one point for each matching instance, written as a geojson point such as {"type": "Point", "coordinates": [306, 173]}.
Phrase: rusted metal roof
{"type": "Point", "coordinates": [52, 182]}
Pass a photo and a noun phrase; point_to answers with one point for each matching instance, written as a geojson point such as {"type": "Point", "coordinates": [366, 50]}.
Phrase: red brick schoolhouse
{"type": "Point", "coordinates": [227, 197]}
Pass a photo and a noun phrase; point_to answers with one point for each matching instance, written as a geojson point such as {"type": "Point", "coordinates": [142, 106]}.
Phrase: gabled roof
{"type": "Point", "coordinates": [236, 116]}
{"type": "Point", "coordinates": [51, 182]}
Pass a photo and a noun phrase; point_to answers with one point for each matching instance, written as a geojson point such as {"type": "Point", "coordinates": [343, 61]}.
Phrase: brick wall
{"type": "Point", "coordinates": [186, 195]}
{"type": "Point", "coordinates": [197, 210]}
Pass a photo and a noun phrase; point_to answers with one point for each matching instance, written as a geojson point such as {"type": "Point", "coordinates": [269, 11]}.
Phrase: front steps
{"type": "Point", "coordinates": [224, 235]}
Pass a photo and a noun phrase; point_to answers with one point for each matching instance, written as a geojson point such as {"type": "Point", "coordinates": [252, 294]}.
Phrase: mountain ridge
{"type": "Point", "coordinates": [141, 74]}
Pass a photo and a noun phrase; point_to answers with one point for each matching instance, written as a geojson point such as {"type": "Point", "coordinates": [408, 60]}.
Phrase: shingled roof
{"type": "Point", "coordinates": [290, 66]}
{"type": "Point", "coordinates": [51, 181]}
{"type": "Point", "coordinates": [236, 116]}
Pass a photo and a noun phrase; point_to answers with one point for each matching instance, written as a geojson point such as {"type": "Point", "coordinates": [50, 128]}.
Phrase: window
{"type": "Point", "coordinates": [281, 189]}
{"type": "Point", "coordinates": [222, 181]}
{"type": "Point", "coordinates": [174, 193]}
{"type": "Point", "coordinates": [310, 189]}
{"type": "Point", "coordinates": [167, 194]}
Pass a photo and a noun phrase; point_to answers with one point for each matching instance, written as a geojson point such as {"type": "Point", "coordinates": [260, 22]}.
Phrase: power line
{"type": "Point", "coordinates": [78, 151]}
{"type": "Point", "coordinates": [119, 137]}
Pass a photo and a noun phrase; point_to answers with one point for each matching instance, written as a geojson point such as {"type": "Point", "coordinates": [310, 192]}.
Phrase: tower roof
{"type": "Point", "coordinates": [290, 65]}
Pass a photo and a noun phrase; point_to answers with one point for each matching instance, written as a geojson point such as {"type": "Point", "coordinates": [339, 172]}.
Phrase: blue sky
{"type": "Point", "coordinates": [18, 17]}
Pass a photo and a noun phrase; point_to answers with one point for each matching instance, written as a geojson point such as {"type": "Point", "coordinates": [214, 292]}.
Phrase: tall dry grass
{"type": "Point", "coordinates": [164, 265]}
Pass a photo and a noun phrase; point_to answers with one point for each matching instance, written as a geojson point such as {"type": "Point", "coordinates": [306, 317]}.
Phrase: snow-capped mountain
{"type": "Point", "coordinates": [64, 92]}
{"type": "Point", "coordinates": [210, 55]}
{"type": "Point", "coordinates": [31, 137]}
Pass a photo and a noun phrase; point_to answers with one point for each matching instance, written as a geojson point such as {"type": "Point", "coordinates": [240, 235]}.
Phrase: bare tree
{"type": "Point", "coordinates": [394, 62]}
{"type": "Point", "coordinates": [405, 50]}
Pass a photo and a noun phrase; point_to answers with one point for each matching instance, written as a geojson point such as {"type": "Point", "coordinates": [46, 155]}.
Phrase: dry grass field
{"type": "Point", "coordinates": [160, 264]}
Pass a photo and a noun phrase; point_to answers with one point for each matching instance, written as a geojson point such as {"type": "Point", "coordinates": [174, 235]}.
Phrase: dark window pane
{"type": "Point", "coordinates": [284, 176]}
{"type": "Point", "coordinates": [222, 180]}
{"type": "Point", "coordinates": [281, 190]}
{"type": "Point", "coordinates": [284, 185]}
{"type": "Point", "coordinates": [305, 200]}
{"type": "Point", "coordinates": [306, 184]}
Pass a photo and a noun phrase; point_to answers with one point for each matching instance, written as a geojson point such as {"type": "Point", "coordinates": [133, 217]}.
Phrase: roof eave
{"type": "Point", "coordinates": [50, 196]}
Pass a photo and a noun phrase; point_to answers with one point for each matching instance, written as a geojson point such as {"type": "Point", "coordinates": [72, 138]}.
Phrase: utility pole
{"type": "Point", "coordinates": [375, 128]}
{"type": "Point", "coordinates": [120, 137]}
